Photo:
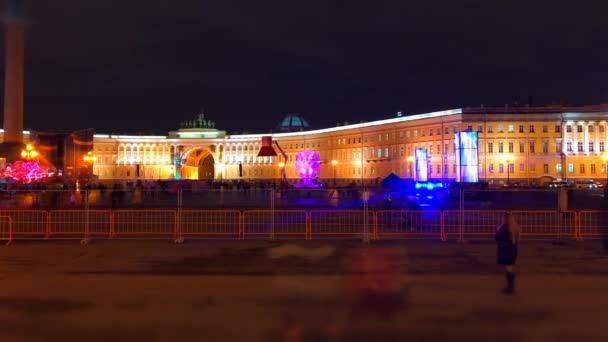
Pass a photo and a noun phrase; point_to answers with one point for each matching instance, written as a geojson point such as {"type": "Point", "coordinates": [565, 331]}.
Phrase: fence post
{"type": "Point", "coordinates": [366, 238]}
{"type": "Point", "coordinates": [111, 225]}
{"type": "Point", "coordinates": [47, 228]}
{"type": "Point", "coordinates": [87, 235]}
{"type": "Point", "coordinates": [578, 235]}
{"type": "Point", "coordinates": [242, 225]}
{"type": "Point", "coordinates": [442, 226]}
{"type": "Point", "coordinates": [177, 228]}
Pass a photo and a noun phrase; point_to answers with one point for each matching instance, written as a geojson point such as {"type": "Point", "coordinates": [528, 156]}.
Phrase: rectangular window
{"type": "Point", "coordinates": [531, 128]}
{"type": "Point", "coordinates": [545, 168]}
{"type": "Point", "coordinates": [430, 149]}
{"type": "Point", "coordinates": [590, 128]}
{"type": "Point", "coordinates": [430, 169]}
{"type": "Point", "coordinates": [521, 147]}
{"type": "Point", "coordinates": [568, 129]}
{"type": "Point", "coordinates": [522, 167]}
{"type": "Point", "coordinates": [386, 152]}
{"type": "Point", "coordinates": [510, 147]}
{"type": "Point", "coordinates": [447, 130]}
{"type": "Point", "coordinates": [415, 133]}
{"type": "Point", "coordinates": [438, 131]}
{"type": "Point", "coordinates": [510, 128]}
{"type": "Point", "coordinates": [511, 167]}
{"type": "Point", "coordinates": [558, 129]}
{"type": "Point", "coordinates": [531, 147]}
{"type": "Point", "coordinates": [500, 129]}
{"type": "Point", "coordinates": [601, 129]}
{"type": "Point", "coordinates": [500, 147]}
{"type": "Point", "coordinates": [591, 146]}
{"type": "Point", "coordinates": [558, 146]}
{"type": "Point", "coordinates": [570, 168]}
{"type": "Point", "coordinates": [386, 137]}
{"type": "Point", "coordinates": [592, 169]}
{"type": "Point", "coordinates": [430, 132]}
{"type": "Point", "coordinates": [580, 146]}
{"type": "Point", "coordinates": [601, 146]}
{"type": "Point", "coordinates": [401, 135]}
{"type": "Point", "coordinates": [445, 169]}
{"type": "Point", "coordinates": [401, 151]}
{"type": "Point", "coordinates": [479, 129]}
{"type": "Point", "coordinates": [582, 169]}
{"type": "Point", "coordinates": [454, 168]}
{"type": "Point", "coordinates": [445, 149]}
{"type": "Point", "coordinates": [469, 128]}
{"type": "Point", "coordinates": [501, 168]}
{"type": "Point", "coordinates": [438, 169]}
{"type": "Point", "coordinates": [490, 129]}
{"type": "Point", "coordinates": [521, 128]}
{"type": "Point", "coordinates": [569, 146]}
{"type": "Point", "coordinates": [407, 134]}
{"type": "Point", "coordinates": [545, 130]}
{"type": "Point", "coordinates": [558, 168]}
{"type": "Point", "coordinates": [532, 167]}
{"type": "Point", "coordinates": [423, 132]}
{"type": "Point", "coordinates": [490, 147]}
{"type": "Point", "coordinates": [491, 168]}
{"type": "Point", "coordinates": [455, 129]}
{"type": "Point", "coordinates": [579, 128]}
{"type": "Point", "coordinates": [545, 147]}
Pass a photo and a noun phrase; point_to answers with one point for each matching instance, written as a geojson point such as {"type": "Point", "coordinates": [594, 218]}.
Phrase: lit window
{"type": "Point", "coordinates": [490, 129]}
{"type": "Point", "coordinates": [570, 168]}
{"type": "Point", "coordinates": [500, 129]}
{"type": "Point", "coordinates": [510, 128]}
{"type": "Point", "coordinates": [501, 168]}
{"type": "Point", "coordinates": [491, 168]}
{"type": "Point", "coordinates": [500, 147]}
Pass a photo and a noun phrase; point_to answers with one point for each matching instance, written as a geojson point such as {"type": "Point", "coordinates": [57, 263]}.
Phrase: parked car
{"type": "Point", "coordinates": [585, 184]}
{"type": "Point", "coordinates": [558, 184]}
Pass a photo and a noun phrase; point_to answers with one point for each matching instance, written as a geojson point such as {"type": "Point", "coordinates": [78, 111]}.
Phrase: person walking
{"type": "Point", "coordinates": [507, 239]}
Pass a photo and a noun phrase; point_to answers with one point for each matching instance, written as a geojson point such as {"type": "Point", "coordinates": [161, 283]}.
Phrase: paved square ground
{"type": "Point", "coordinates": [299, 291]}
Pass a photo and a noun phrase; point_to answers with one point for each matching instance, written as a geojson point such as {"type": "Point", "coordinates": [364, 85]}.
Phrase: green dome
{"type": "Point", "coordinates": [293, 122]}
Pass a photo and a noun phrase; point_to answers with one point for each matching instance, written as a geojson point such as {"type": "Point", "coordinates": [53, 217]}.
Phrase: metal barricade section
{"type": "Point", "coordinates": [144, 222]}
{"type": "Point", "coordinates": [341, 223]}
{"type": "Point", "coordinates": [592, 224]}
{"type": "Point", "coordinates": [471, 223]}
{"type": "Point", "coordinates": [542, 224]}
{"type": "Point", "coordinates": [274, 223]}
{"type": "Point", "coordinates": [409, 223]}
{"type": "Point", "coordinates": [6, 229]}
{"type": "Point", "coordinates": [210, 222]}
{"type": "Point", "coordinates": [28, 224]}
{"type": "Point", "coordinates": [79, 222]}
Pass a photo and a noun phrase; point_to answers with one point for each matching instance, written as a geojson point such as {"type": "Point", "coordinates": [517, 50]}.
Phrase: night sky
{"type": "Point", "coordinates": [142, 66]}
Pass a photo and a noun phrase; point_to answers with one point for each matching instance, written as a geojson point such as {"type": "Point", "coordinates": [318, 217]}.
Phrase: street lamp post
{"type": "Point", "coordinates": [334, 163]}
{"type": "Point", "coordinates": [508, 172]}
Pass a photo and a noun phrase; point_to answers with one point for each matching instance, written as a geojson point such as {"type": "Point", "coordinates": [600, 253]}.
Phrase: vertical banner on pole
{"type": "Point", "coordinates": [467, 157]}
{"type": "Point", "coordinates": [422, 165]}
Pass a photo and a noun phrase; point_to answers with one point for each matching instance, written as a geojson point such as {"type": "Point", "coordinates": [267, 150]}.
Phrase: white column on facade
{"type": "Point", "coordinates": [596, 139]}
{"type": "Point", "coordinates": [564, 139]}
{"type": "Point", "coordinates": [586, 138]}
{"type": "Point", "coordinates": [606, 138]}
{"type": "Point", "coordinates": [575, 138]}
{"type": "Point", "coordinates": [124, 157]}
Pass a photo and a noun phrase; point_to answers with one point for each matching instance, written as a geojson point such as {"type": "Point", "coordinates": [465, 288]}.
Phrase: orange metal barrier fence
{"type": "Point", "coordinates": [592, 224]}
{"type": "Point", "coordinates": [342, 223]}
{"type": "Point", "coordinates": [409, 223]}
{"type": "Point", "coordinates": [6, 229]}
{"type": "Point", "coordinates": [198, 223]}
{"type": "Point", "coordinates": [30, 224]}
{"type": "Point", "coordinates": [80, 222]}
{"type": "Point", "coordinates": [299, 223]}
{"type": "Point", "coordinates": [273, 223]}
{"type": "Point", "coordinates": [144, 223]}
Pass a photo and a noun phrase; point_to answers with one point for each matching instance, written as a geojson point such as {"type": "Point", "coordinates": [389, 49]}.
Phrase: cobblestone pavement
{"type": "Point", "coordinates": [299, 291]}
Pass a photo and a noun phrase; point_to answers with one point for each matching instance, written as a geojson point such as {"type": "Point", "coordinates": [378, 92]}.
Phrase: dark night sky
{"type": "Point", "coordinates": [142, 66]}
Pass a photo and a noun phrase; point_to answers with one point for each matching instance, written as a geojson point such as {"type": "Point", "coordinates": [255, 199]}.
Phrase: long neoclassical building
{"type": "Point", "coordinates": [526, 144]}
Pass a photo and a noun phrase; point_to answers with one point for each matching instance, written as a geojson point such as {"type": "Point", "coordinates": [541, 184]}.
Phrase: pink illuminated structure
{"type": "Point", "coordinates": [25, 171]}
{"type": "Point", "coordinates": [307, 165]}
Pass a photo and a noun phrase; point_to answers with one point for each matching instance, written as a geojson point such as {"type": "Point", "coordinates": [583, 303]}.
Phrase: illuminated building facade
{"type": "Point", "coordinates": [534, 144]}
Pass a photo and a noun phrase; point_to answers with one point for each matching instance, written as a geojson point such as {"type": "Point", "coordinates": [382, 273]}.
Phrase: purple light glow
{"type": "Point", "coordinates": [307, 164]}
{"type": "Point", "coordinates": [25, 172]}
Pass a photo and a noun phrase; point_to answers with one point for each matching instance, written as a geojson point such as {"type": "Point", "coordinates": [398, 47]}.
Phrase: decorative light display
{"type": "Point", "coordinates": [467, 157]}
{"type": "Point", "coordinates": [25, 171]}
{"type": "Point", "coordinates": [307, 165]}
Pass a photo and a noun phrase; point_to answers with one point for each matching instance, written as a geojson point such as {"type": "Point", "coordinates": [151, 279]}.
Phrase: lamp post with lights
{"type": "Point", "coordinates": [29, 153]}
{"type": "Point", "coordinates": [334, 163]}
{"type": "Point", "coordinates": [507, 158]}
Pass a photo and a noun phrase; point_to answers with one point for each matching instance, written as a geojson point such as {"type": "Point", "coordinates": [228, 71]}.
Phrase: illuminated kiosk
{"type": "Point", "coordinates": [307, 165]}
{"type": "Point", "coordinates": [421, 177]}
{"type": "Point", "coordinates": [467, 157]}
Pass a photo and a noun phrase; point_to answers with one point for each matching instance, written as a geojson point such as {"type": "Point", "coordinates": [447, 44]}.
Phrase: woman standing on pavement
{"type": "Point", "coordinates": [507, 239]}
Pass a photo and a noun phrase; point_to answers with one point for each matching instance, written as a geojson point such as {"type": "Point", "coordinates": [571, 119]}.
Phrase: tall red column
{"type": "Point", "coordinates": [13, 81]}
